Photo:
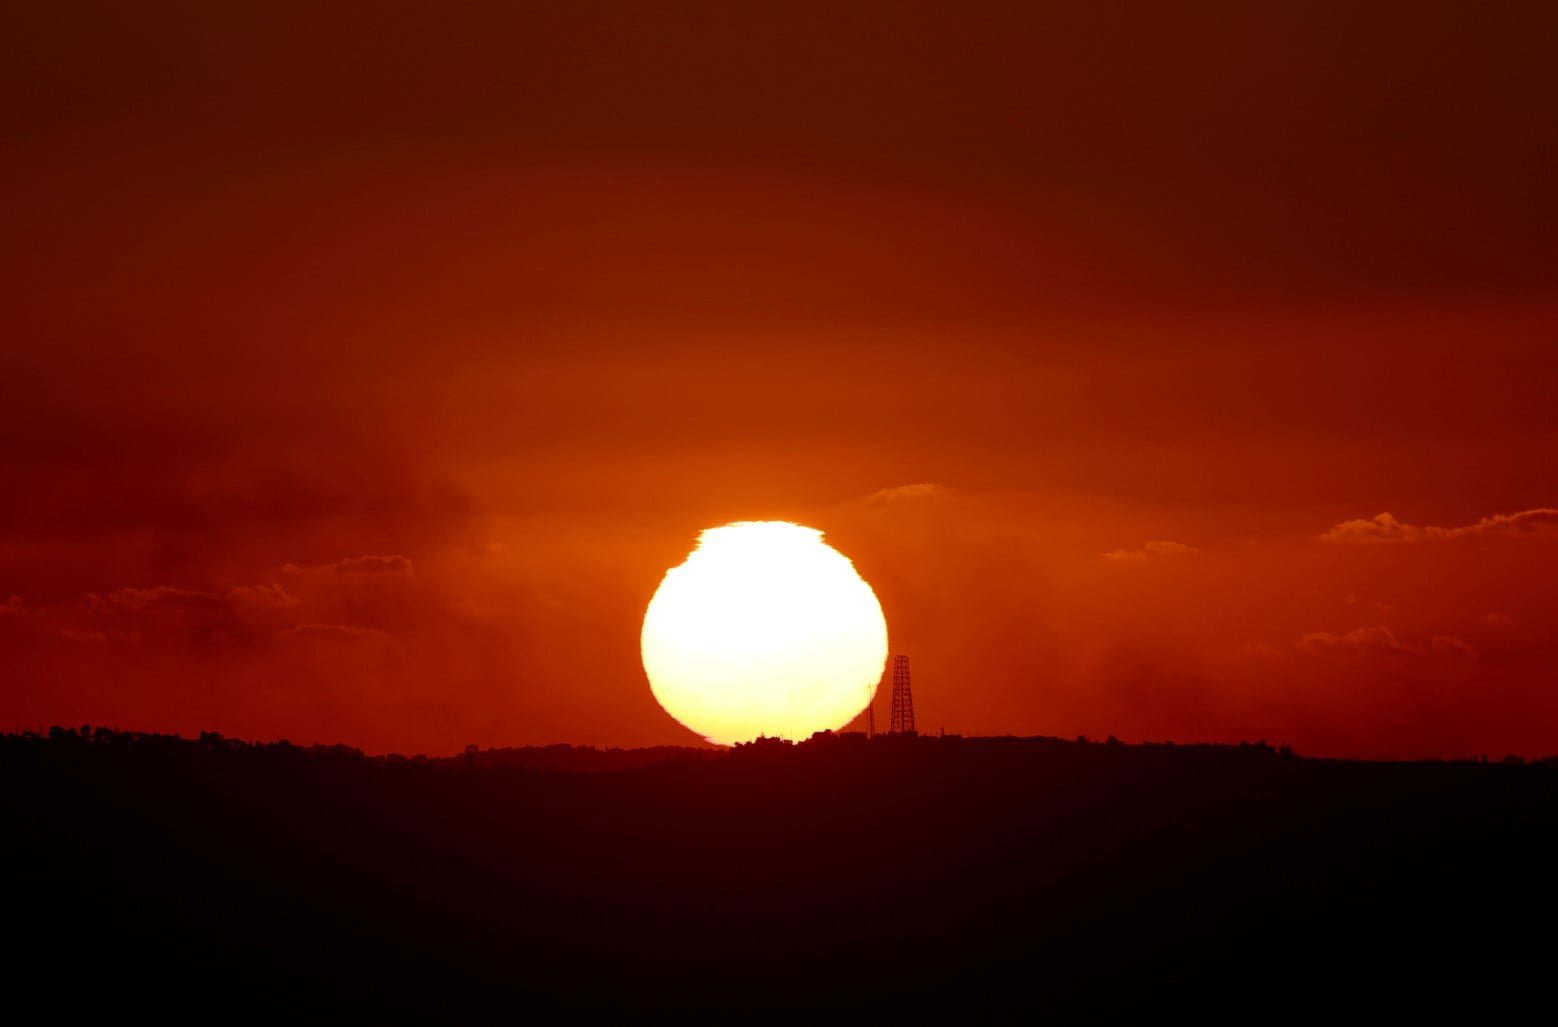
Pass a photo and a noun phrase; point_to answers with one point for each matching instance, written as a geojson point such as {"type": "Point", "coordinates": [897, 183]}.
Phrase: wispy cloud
{"type": "Point", "coordinates": [1151, 550]}
{"type": "Point", "coordinates": [905, 493]}
{"type": "Point", "coordinates": [1386, 528]}
{"type": "Point", "coordinates": [393, 564]}
{"type": "Point", "coordinates": [1379, 639]}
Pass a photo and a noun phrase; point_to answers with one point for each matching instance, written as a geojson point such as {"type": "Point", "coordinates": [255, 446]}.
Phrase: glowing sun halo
{"type": "Point", "coordinates": [764, 630]}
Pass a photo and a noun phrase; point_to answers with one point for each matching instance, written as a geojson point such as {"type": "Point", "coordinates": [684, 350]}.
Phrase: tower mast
{"type": "Point", "coordinates": [903, 699]}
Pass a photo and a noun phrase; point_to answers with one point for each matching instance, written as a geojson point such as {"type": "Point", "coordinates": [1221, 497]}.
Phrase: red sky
{"type": "Point", "coordinates": [366, 365]}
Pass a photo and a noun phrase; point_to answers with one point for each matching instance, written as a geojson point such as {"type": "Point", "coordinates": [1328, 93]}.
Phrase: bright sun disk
{"type": "Point", "coordinates": [764, 630]}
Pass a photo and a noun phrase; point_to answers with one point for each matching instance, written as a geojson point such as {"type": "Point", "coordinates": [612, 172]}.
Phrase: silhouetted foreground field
{"type": "Point", "coordinates": [1033, 878]}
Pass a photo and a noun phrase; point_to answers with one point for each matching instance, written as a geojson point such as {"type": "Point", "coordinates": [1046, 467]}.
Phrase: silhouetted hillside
{"type": "Point", "coordinates": [1032, 877]}
{"type": "Point", "coordinates": [578, 759]}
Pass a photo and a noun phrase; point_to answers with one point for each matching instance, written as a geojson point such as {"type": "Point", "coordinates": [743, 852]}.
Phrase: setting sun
{"type": "Point", "coordinates": [764, 630]}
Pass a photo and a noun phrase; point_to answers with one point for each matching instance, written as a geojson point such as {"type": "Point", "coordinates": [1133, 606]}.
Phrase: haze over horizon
{"type": "Point", "coordinates": [1172, 375]}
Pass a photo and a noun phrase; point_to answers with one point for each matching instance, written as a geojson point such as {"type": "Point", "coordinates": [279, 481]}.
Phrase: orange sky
{"type": "Point", "coordinates": [365, 368]}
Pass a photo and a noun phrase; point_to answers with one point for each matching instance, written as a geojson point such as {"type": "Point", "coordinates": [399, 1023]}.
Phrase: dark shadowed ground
{"type": "Point", "coordinates": [1026, 877]}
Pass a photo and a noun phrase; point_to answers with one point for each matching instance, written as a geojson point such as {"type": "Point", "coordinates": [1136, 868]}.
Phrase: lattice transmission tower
{"type": "Point", "coordinates": [903, 699]}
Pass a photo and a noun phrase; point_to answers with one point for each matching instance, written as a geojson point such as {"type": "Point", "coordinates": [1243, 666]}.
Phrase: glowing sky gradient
{"type": "Point", "coordinates": [1184, 375]}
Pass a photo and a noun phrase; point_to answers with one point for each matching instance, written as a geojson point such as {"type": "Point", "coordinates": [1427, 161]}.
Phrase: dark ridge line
{"type": "Point", "coordinates": [567, 757]}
